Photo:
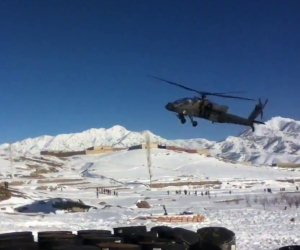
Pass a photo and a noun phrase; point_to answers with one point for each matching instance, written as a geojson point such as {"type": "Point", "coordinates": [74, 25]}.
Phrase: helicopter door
{"type": "Point", "coordinates": [205, 109]}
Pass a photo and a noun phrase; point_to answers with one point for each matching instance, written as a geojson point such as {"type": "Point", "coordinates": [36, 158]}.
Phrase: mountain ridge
{"type": "Point", "coordinates": [276, 141]}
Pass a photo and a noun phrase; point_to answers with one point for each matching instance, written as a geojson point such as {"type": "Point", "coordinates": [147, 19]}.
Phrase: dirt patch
{"type": "Point", "coordinates": [42, 188]}
{"type": "Point", "coordinates": [16, 183]}
{"type": "Point", "coordinates": [42, 170]}
{"type": "Point", "coordinates": [4, 194]}
{"type": "Point", "coordinates": [73, 183]}
{"type": "Point", "coordinates": [41, 160]}
{"type": "Point", "coordinates": [59, 180]}
{"type": "Point", "coordinates": [290, 180]}
{"type": "Point", "coordinates": [35, 175]}
{"type": "Point", "coordinates": [230, 200]}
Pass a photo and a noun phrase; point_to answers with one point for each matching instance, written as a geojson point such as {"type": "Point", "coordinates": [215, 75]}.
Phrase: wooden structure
{"type": "Point", "coordinates": [204, 151]}
{"type": "Point", "coordinates": [288, 165]}
{"type": "Point", "coordinates": [179, 218]}
{"type": "Point", "coordinates": [101, 150]}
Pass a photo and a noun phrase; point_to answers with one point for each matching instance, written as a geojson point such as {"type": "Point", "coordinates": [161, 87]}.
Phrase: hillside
{"type": "Point", "coordinates": [277, 141]}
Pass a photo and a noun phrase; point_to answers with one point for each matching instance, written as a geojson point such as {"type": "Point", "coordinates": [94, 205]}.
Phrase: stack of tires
{"type": "Point", "coordinates": [126, 238]}
{"type": "Point", "coordinates": [96, 237]}
{"type": "Point", "coordinates": [17, 241]}
{"type": "Point", "coordinates": [54, 240]}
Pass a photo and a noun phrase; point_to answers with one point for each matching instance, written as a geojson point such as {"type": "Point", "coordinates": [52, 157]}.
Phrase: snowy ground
{"type": "Point", "coordinates": [238, 199]}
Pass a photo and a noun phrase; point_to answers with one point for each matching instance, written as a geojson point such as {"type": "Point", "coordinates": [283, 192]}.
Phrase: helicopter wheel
{"type": "Point", "coordinates": [182, 120]}
{"type": "Point", "coordinates": [194, 123]}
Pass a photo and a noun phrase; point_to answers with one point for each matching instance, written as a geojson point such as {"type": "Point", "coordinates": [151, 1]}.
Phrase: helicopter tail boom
{"type": "Point", "coordinates": [258, 110]}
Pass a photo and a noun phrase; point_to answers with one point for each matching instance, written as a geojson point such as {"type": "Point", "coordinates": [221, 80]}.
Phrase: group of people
{"type": "Point", "coordinates": [186, 192]}
{"type": "Point", "coordinates": [106, 191]}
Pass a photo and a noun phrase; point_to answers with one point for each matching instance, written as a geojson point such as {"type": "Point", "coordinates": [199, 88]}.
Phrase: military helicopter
{"type": "Point", "coordinates": [201, 107]}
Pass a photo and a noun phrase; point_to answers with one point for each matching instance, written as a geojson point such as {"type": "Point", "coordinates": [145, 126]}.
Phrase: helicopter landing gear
{"type": "Point", "coordinates": [194, 123]}
{"type": "Point", "coordinates": [181, 118]}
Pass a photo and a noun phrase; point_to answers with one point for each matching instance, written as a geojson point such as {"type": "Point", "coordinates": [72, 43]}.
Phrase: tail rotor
{"type": "Point", "coordinates": [262, 106]}
{"type": "Point", "coordinates": [258, 110]}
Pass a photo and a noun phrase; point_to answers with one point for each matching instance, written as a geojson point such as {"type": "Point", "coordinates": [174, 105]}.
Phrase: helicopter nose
{"type": "Point", "coordinates": [170, 106]}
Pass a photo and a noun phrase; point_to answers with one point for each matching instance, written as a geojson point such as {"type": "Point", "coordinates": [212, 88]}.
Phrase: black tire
{"type": "Point", "coordinates": [187, 236]}
{"type": "Point", "coordinates": [194, 123]}
{"type": "Point", "coordinates": [135, 238]}
{"type": "Point", "coordinates": [17, 238]}
{"type": "Point", "coordinates": [94, 240]}
{"type": "Point", "coordinates": [218, 236]}
{"type": "Point", "coordinates": [117, 246]}
{"type": "Point", "coordinates": [47, 242]}
{"type": "Point", "coordinates": [19, 246]}
{"type": "Point", "coordinates": [12, 235]}
{"type": "Point", "coordinates": [163, 246]}
{"type": "Point", "coordinates": [54, 232]}
{"type": "Point", "coordinates": [75, 247]}
{"type": "Point", "coordinates": [120, 231]}
{"type": "Point", "coordinates": [295, 247]}
{"type": "Point", "coordinates": [205, 246]}
{"type": "Point", "coordinates": [181, 118]}
{"type": "Point", "coordinates": [94, 232]}
{"type": "Point", "coordinates": [53, 235]}
{"type": "Point", "coordinates": [164, 232]}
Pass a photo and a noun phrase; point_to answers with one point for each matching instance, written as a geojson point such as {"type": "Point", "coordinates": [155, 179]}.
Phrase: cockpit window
{"type": "Point", "coordinates": [183, 101]}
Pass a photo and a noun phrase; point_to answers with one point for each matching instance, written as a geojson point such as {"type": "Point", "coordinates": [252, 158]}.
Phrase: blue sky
{"type": "Point", "coordinates": [67, 66]}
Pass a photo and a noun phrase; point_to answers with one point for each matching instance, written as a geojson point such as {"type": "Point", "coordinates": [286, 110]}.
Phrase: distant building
{"type": "Point", "coordinates": [91, 150]}
{"type": "Point", "coordinates": [143, 146]}
{"type": "Point", "coordinates": [101, 150]}
{"type": "Point", "coordinates": [288, 165]}
{"type": "Point", "coordinates": [179, 149]}
{"type": "Point", "coordinates": [204, 152]}
{"type": "Point", "coordinates": [58, 153]}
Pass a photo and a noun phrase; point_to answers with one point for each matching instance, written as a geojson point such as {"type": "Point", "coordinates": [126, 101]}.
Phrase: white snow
{"type": "Point", "coordinates": [275, 142]}
{"type": "Point", "coordinates": [238, 198]}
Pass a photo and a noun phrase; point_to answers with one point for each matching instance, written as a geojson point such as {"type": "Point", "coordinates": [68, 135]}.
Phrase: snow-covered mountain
{"type": "Point", "coordinates": [277, 141]}
{"type": "Point", "coordinates": [117, 136]}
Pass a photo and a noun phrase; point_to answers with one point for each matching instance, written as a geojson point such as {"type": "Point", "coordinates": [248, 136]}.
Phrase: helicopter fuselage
{"type": "Point", "coordinates": [204, 108]}
{"type": "Point", "coordinates": [197, 107]}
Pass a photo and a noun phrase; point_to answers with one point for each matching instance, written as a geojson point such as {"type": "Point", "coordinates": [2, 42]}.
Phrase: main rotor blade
{"type": "Point", "coordinates": [230, 96]}
{"type": "Point", "coordinates": [231, 92]}
{"type": "Point", "coordinates": [203, 93]}
{"type": "Point", "coordinates": [178, 85]}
